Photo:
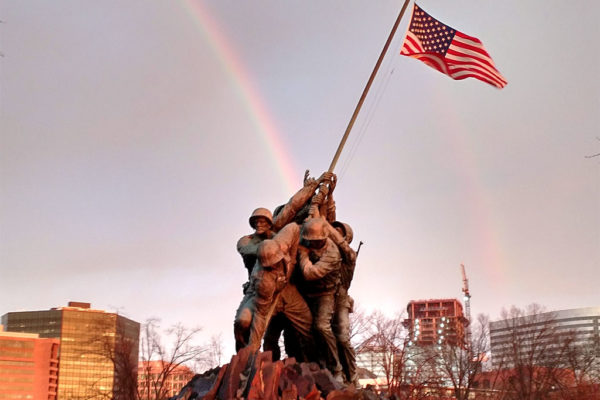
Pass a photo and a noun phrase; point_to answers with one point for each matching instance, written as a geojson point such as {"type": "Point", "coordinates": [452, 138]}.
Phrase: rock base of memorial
{"type": "Point", "coordinates": [254, 376]}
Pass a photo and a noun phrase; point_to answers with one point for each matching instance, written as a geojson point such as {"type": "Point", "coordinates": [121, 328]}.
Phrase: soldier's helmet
{"type": "Point", "coordinates": [348, 233]}
{"type": "Point", "coordinates": [314, 229]}
{"type": "Point", "coordinates": [261, 212]}
{"type": "Point", "coordinates": [269, 253]}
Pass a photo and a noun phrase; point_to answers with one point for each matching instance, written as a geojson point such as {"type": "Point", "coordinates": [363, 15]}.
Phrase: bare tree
{"type": "Point", "coordinates": [213, 356]}
{"type": "Point", "coordinates": [360, 323]}
{"type": "Point", "coordinates": [531, 351]}
{"type": "Point", "coordinates": [390, 338]}
{"type": "Point", "coordinates": [421, 375]}
{"type": "Point", "coordinates": [112, 345]}
{"type": "Point", "coordinates": [153, 382]}
{"type": "Point", "coordinates": [142, 365]}
{"type": "Point", "coordinates": [406, 368]}
{"type": "Point", "coordinates": [581, 363]}
{"type": "Point", "coordinates": [459, 364]}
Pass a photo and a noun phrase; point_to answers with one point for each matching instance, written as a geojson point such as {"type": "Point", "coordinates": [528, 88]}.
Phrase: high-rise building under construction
{"type": "Point", "coordinates": [436, 322]}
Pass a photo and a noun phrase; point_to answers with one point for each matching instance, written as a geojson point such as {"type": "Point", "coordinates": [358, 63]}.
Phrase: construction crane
{"type": "Point", "coordinates": [467, 298]}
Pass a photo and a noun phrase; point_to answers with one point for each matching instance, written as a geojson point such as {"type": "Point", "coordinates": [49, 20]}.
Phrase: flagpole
{"type": "Point", "coordinates": [367, 87]}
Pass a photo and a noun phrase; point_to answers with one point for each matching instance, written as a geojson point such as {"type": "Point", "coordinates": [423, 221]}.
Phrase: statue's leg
{"type": "Point", "coordinates": [299, 343]}
{"type": "Point", "coordinates": [263, 287]}
{"type": "Point", "coordinates": [323, 307]}
{"type": "Point", "coordinates": [272, 335]}
{"type": "Point", "coordinates": [243, 321]}
{"type": "Point", "coordinates": [341, 329]}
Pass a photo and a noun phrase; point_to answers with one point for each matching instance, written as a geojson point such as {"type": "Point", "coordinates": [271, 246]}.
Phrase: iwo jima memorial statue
{"type": "Point", "coordinates": [300, 264]}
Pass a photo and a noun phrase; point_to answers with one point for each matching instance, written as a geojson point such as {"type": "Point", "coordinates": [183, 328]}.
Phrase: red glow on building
{"type": "Point", "coordinates": [28, 366]}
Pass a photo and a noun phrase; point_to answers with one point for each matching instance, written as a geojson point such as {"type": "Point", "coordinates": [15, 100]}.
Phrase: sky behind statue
{"type": "Point", "coordinates": [137, 137]}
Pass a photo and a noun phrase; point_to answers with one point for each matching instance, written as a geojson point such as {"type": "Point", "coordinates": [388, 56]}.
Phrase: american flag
{"type": "Point", "coordinates": [449, 51]}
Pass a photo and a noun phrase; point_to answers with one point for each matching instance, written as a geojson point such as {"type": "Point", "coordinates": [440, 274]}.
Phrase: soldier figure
{"type": "Point", "coordinates": [262, 222]}
{"type": "Point", "coordinates": [274, 294]}
{"type": "Point", "coordinates": [320, 264]}
{"type": "Point", "coordinates": [342, 235]}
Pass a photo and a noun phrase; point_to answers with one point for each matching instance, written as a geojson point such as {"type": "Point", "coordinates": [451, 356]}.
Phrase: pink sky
{"type": "Point", "coordinates": [136, 138]}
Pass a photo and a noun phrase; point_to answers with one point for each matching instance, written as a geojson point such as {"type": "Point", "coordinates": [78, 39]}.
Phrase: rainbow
{"type": "Point", "coordinates": [489, 224]}
{"type": "Point", "coordinates": [249, 95]}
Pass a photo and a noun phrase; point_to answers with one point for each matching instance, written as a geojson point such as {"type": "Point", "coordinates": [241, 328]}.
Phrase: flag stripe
{"type": "Point", "coordinates": [469, 74]}
{"type": "Point", "coordinates": [455, 60]}
{"type": "Point", "coordinates": [479, 72]}
{"type": "Point", "coordinates": [466, 38]}
{"type": "Point", "coordinates": [471, 50]}
{"type": "Point", "coordinates": [412, 44]}
{"type": "Point", "coordinates": [475, 67]}
{"type": "Point", "coordinates": [455, 55]}
{"type": "Point", "coordinates": [458, 71]}
{"type": "Point", "coordinates": [455, 72]}
{"type": "Point", "coordinates": [434, 61]}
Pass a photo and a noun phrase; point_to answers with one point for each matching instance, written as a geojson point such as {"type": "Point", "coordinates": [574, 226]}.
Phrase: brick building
{"type": "Point", "coordinates": [160, 376]}
{"type": "Point", "coordinates": [28, 366]}
{"type": "Point", "coordinates": [90, 340]}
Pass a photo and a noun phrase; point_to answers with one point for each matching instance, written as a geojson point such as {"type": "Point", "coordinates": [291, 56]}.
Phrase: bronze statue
{"type": "Point", "coordinates": [320, 262]}
{"type": "Point", "coordinates": [279, 323]}
{"type": "Point", "coordinates": [276, 299]}
{"type": "Point", "coordinates": [248, 247]}
{"type": "Point", "coordinates": [342, 235]}
{"type": "Point", "coordinates": [273, 293]}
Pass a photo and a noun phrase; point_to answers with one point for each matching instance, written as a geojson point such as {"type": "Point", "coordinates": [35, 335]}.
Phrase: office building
{"type": "Point", "coordinates": [540, 336]}
{"type": "Point", "coordinates": [28, 366]}
{"type": "Point", "coordinates": [436, 321]}
{"type": "Point", "coordinates": [90, 343]}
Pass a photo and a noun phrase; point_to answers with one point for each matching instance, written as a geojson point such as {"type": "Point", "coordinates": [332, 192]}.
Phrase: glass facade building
{"type": "Point", "coordinates": [541, 333]}
{"type": "Point", "coordinates": [92, 345]}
